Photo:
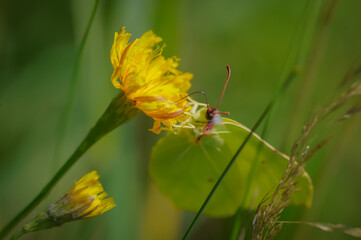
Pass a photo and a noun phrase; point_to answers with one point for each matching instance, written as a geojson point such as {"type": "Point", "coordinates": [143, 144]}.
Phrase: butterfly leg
{"type": "Point", "coordinates": [204, 134]}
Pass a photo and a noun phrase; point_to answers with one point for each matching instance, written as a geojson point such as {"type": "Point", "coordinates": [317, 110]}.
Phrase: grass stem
{"type": "Point", "coordinates": [63, 120]}
{"type": "Point", "coordinates": [60, 135]}
{"type": "Point", "coordinates": [118, 112]}
{"type": "Point", "coordinates": [284, 86]}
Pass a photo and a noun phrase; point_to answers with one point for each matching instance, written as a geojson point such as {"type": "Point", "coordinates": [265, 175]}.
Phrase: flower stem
{"type": "Point", "coordinates": [118, 112]}
{"type": "Point", "coordinates": [62, 122]}
{"type": "Point", "coordinates": [18, 235]}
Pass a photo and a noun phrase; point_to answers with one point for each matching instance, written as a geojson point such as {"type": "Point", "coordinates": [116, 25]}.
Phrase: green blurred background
{"type": "Point", "coordinates": [38, 45]}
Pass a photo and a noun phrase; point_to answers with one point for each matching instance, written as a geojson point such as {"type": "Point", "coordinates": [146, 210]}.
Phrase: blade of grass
{"type": "Point", "coordinates": [291, 75]}
{"type": "Point", "coordinates": [280, 91]}
{"type": "Point", "coordinates": [119, 111]}
{"type": "Point", "coordinates": [238, 223]}
{"type": "Point", "coordinates": [315, 41]}
{"type": "Point", "coordinates": [62, 127]}
{"type": "Point", "coordinates": [293, 56]}
{"type": "Point", "coordinates": [238, 217]}
{"type": "Point", "coordinates": [63, 120]}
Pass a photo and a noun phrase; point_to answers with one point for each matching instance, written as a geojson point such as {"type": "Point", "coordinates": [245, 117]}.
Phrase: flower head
{"type": "Point", "coordinates": [85, 199]}
{"type": "Point", "coordinates": [151, 81]}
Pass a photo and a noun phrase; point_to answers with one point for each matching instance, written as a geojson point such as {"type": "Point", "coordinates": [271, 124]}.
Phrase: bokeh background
{"type": "Point", "coordinates": [38, 45]}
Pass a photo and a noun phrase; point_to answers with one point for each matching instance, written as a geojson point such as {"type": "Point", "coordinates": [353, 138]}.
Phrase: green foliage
{"type": "Point", "coordinates": [38, 51]}
{"type": "Point", "coordinates": [185, 171]}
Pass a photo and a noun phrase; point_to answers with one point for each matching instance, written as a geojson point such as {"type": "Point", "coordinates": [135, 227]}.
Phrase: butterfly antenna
{"type": "Point", "coordinates": [200, 92]}
{"type": "Point", "coordinates": [225, 85]}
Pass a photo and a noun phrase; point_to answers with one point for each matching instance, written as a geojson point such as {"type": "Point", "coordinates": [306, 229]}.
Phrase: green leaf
{"type": "Point", "coordinates": [185, 171]}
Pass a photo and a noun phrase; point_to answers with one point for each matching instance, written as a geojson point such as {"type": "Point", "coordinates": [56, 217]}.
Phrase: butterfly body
{"type": "Point", "coordinates": [204, 119]}
{"type": "Point", "coordinates": [212, 115]}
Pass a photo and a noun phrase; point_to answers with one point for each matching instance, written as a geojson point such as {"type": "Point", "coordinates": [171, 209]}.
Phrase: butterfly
{"type": "Point", "coordinates": [186, 163]}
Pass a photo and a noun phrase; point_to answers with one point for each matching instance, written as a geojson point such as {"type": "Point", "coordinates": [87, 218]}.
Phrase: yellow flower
{"type": "Point", "coordinates": [151, 81]}
{"type": "Point", "coordinates": [86, 199]}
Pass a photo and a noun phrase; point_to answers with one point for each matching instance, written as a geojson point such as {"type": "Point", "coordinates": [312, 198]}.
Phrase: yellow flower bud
{"type": "Point", "coordinates": [85, 199]}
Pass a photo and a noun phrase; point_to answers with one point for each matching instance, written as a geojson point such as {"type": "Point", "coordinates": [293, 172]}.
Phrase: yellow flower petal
{"type": "Point", "coordinates": [151, 81]}
{"type": "Point", "coordinates": [85, 199]}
